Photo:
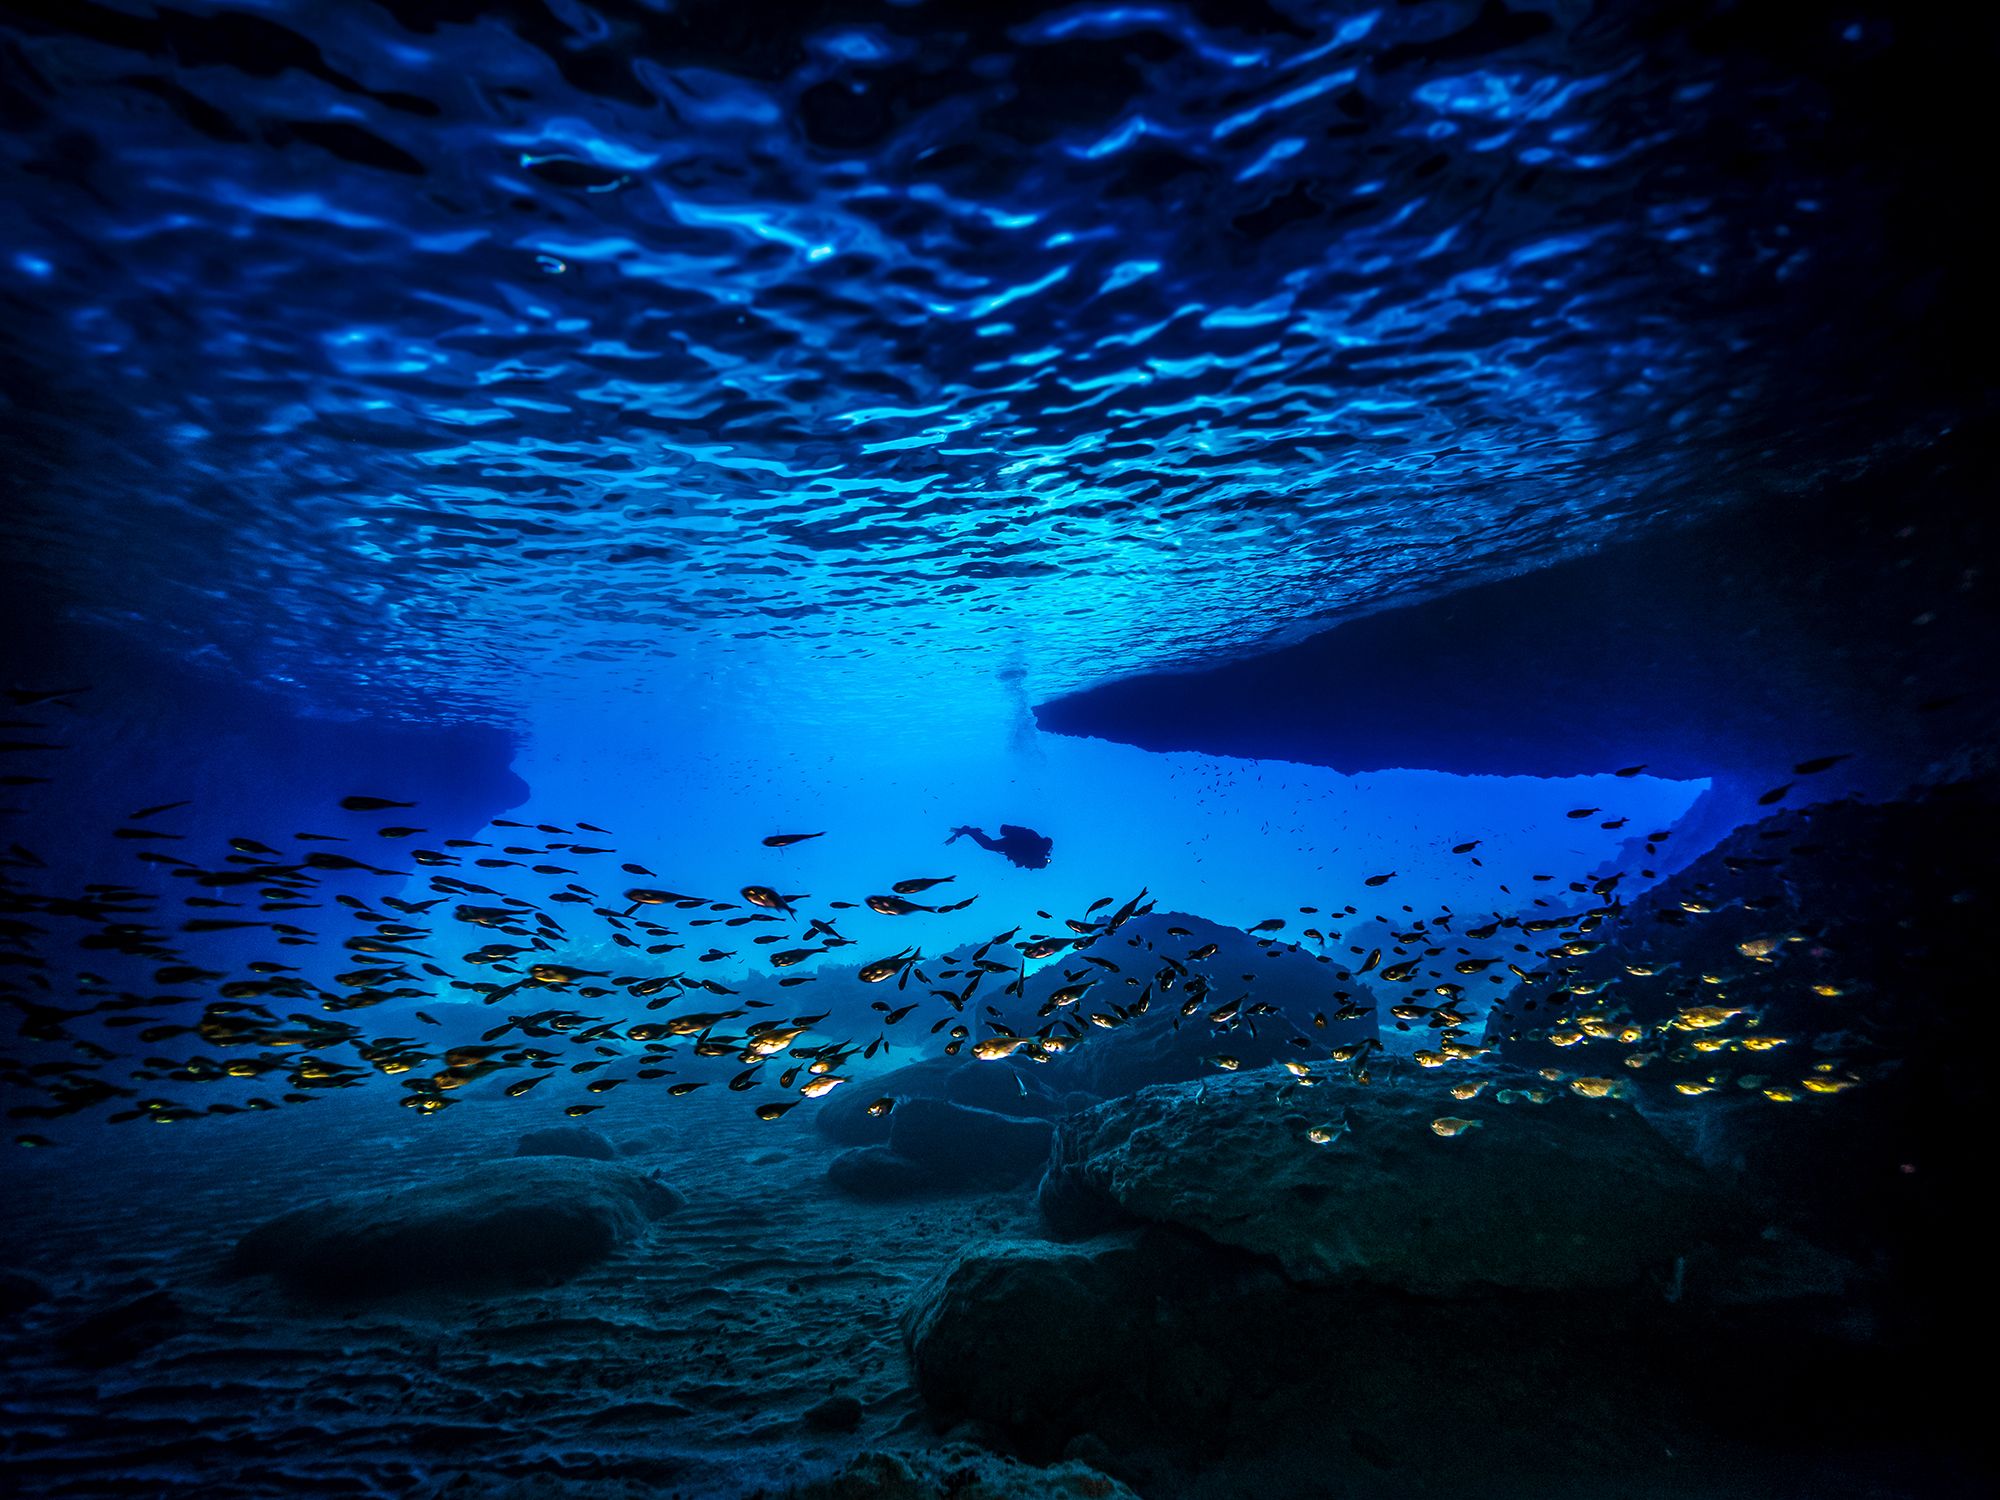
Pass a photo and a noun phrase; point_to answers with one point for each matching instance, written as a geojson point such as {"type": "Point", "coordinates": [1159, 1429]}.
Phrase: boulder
{"type": "Point", "coordinates": [964, 1332]}
{"type": "Point", "coordinates": [1576, 1194]}
{"type": "Point", "coordinates": [125, 1329]}
{"type": "Point", "coordinates": [567, 1140]}
{"type": "Point", "coordinates": [1004, 1087]}
{"type": "Point", "coordinates": [523, 1220]}
{"type": "Point", "coordinates": [1141, 1338]}
{"type": "Point", "coordinates": [879, 1174]}
{"type": "Point", "coordinates": [1160, 1357]}
{"type": "Point", "coordinates": [962, 1145]}
{"type": "Point", "coordinates": [1152, 1049]}
{"type": "Point", "coordinates": [1161, 1044]}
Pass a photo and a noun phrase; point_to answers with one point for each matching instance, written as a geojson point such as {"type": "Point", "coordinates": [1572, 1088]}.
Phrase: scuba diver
{"type": "Point", "coordinates": [1022, 846]}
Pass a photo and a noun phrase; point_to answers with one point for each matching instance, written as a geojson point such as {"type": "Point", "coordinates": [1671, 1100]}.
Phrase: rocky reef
{"type": "Point", "coordinates": [1810, 1028]}
{"type": "Point", "coordinates": [1253, 1283]}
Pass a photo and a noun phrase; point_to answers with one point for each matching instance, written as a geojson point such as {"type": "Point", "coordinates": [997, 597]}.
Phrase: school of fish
{"type": "Point", "coordinates": [199, 1022]}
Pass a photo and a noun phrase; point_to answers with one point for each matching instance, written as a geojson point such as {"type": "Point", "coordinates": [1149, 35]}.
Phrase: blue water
{"type": "Point", "coordinates": [717, 420]}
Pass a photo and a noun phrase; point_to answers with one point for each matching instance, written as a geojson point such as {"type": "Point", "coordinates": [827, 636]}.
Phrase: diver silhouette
{"type": "Point", "coordinates": [1022, 846]}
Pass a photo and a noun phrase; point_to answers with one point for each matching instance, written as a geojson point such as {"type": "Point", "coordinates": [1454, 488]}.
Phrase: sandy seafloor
{"type": "Point", "coordinates": [681, 1367]}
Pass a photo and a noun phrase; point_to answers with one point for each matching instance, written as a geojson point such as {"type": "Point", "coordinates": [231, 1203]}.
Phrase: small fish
{"type": "Point", "coordinates": [1818, 764]}
{"type": "Point", "coordinates": [371, 804]}
{"type": "Point", "coordinates": [1000, 1046]}
{"type": "Point", "coordinates": [764, 896]}
{"type": "Point", "coordinates": [785, 840]}
{"type": "Point", "coordinates": [881, 1106]}
{"type": "Point", "coordinates": [1451, 1125]}
{"type": "Point", "coordinates": [776, 1111]}
{"type": "Point", "coordinates": [888, 968]}
{"type": "Point", "coordinates": [1704, 1017]}
{"type": "Point", "coordinates": [1596, 1088]}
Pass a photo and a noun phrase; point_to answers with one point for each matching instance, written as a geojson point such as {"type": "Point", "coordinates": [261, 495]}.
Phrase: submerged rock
{"type": "Point", "coordinates": [1162, 1357]}
{"type": "Point", "coordinates": [961, 1144]}
{"type": "Point", "coordinates": [879, 1174]}
{"type": "Point", "coordinates": [960, 1472]}
{"type": "Point", "coordinates": [1574, 1194]}
{"type": "Point", "coordinates": [970, 1353]}
{"type": "Point", "coordinates": [124, 1330]}
{"type": "Point", "coordinates": [1160, 1046]}
{"type": "Point", "coordinates": [526, 1219]}
{"type": "Point", "coordinates": [1005, 1088]}
{"type": "Point", "coordinates": [567, 1140]}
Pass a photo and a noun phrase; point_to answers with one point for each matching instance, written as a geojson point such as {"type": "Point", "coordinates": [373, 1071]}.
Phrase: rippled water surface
{"type": "Point", "coordinates": [449, 355]}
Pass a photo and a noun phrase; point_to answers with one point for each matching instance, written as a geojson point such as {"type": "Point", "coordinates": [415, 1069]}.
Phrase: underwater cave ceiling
{"type": "Point", "coordinates": [1067, 342]}
{"type": "Point", "coordinates": [1838, 622]}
